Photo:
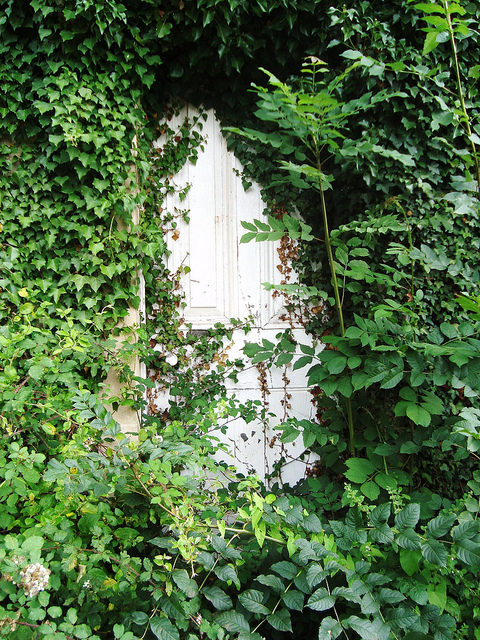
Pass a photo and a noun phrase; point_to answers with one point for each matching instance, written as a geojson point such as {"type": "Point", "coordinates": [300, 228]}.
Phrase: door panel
{"type": "Point", "coordinates": [225, 281]}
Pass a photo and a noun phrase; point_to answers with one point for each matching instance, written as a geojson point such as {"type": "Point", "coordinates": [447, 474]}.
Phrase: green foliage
{"type": "Point", "coordinates": [106, 537]}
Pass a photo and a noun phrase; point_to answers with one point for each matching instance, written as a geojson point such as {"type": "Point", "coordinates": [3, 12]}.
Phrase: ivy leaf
{"type": "Point", "coordinates": [218, 598]}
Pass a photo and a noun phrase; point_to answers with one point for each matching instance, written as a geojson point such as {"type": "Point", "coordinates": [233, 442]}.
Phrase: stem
{"type": "Point", "coordinates": [338, 301]}
{"type": "Point", "coordinates": [461, 96]}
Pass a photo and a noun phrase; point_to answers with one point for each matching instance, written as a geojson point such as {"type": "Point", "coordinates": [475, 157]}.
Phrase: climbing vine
{"type": "Point", "coordinates": [106, 537]}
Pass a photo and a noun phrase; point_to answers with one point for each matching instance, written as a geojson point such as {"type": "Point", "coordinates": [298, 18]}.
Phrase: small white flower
{"type": "Point", "coordinates": [86, 584]}
{"type": "Point", "coordinates": [34, 578]}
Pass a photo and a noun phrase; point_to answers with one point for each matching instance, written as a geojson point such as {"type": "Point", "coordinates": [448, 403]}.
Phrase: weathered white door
{"type": "Point", "coordinates": [225, 281]}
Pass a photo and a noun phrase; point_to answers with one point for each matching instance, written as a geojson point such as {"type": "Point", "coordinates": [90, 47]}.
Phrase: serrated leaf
{"type": "Point", "coordinates": [185, 583]}
{"type": "Point", "coordinates": [280, 620]}
{"type": "Point", "coordinates": [271, 581]}
{"type": "Point", "coordinates": [163, 629]}
{"type": "Point", "coordinates": [320, 600]}
{"type": "Point", "coordinates": [285, 569]}
{"type": "Point", "coordinates": [465, 530]}
{"type": "Point", "coordinates": [233, 622]}
{"type": "Point", "coordinates": [329, 629]}
{"type": "Point", "coordinates": [218, 598]}
{"type": "Point", "coordinates": [315, 574]}
{"type": "Point", "coordinates": [390, 596]}
{"type": "Point", "coordinates": [226, 573]}
{"type": "Point", "coordinates": [469, 552]}
{"type": "Point", "coordinates": [370, 489]}
{"type": "Point", "coordinates": [380, 514]}
{"type": "Point", "coordinates": [312, 523]}
{"type": "Point", "coordinates": [408, 539]}
{"type": "Point", "coordinates": [293, 599]}
{"type": "Point", "coordinates": [440, 525]}
{"type": "Point", "coordinates": [408, 516]}
{"type": "Point", "coordinates": [434, 552]}
{"type": "Point", "coordinates": [252, 600]}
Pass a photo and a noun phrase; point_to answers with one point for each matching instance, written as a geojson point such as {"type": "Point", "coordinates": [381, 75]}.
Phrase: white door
{"type": "Point", "coordinates": [225, 281]}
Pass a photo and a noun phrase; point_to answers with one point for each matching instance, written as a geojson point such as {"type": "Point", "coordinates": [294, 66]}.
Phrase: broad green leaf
{"type": "Point", "coordinates": [185, 583]}
{"type": "Point", "coordinates": [390, 596]}
{"type": "Point", "coordinates": [380, 514]}
{"type": "Point", "coordinates": [280, 620]}
{"type": "Point", "coordinates": [437, 593]}
{"type": "Point", "coordinates": [271, 581]}
{"type": "Point", "coordinates": [430, 43]}
{"type": "Point", "coordinates": [285, 569]}
{"type": "Point", "coordinates": [359, 469]}
{"type": "Point", "coordinates": [227, 573]}
{"type": "Point", "coordinates": [32, 544]}
{"type": "Point", "coordinates": [440, 525]}
{"type": "Point", "coordinates": [434, 552]}
{"type": "Point", "coordinates": [370, 490]}
{"type": "Point", "coordinates": [408, 516]}
{"type": "Point", "coordinates": [293, 599]}
{"type": "Point", "coordinates": [418, 415]}
{"type": "Point", "coordinates": [163, 629]}
{"type": "Point", "coordinates": [320, 600]}
{"type": "Point", "coordinates": [382, 533]}
{"type": "Point", "coordinates": [408, 539]}
{"type": "Point", "coordinates": [218, 598]}
{"type": "Point", "coordinates": [329, 629]}
{"type": "Point", "coordinates": [315, 574]}
{"type": "Point", "coordinates": [409, 561]}
{"type": "Point", "coordinates": [466, 529]}
{"type": "Point", "coordinates": [469, 552]}
{"type": "Point", "coordinates": [233, 622]}
{"type": "Point", "coordinates": [252, 601]}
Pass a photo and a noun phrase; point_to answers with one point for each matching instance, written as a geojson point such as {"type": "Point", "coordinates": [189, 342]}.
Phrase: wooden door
{"type": "Point", "coordinates": [225, 281]}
